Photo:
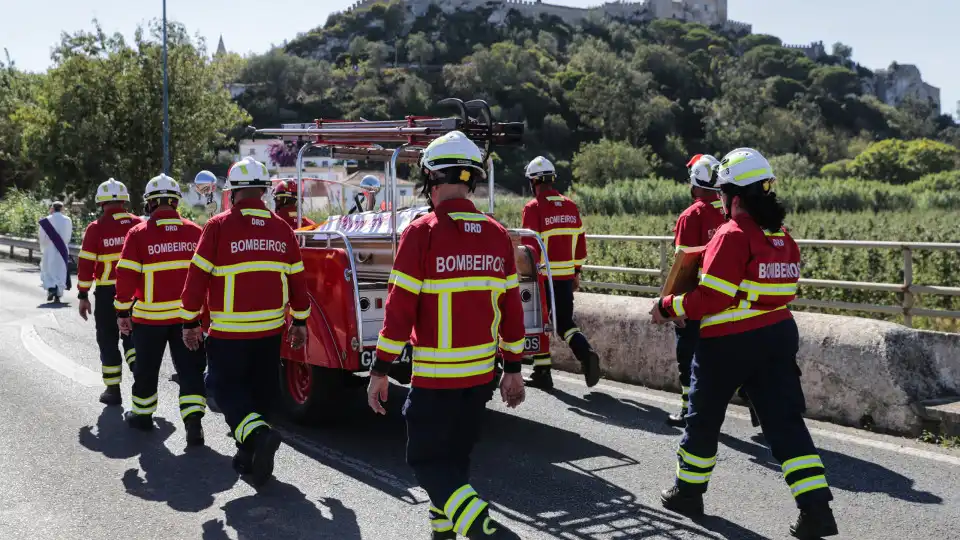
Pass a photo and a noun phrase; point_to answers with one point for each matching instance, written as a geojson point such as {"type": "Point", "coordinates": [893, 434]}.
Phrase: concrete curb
{"type": "Point", "coordinates": [856, 372]}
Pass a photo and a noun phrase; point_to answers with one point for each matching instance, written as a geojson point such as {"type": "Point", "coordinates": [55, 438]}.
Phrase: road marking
{"type": "Point", "coordinates": [56, 361]}
{"type": "Point", "coordinates": [843, 437]}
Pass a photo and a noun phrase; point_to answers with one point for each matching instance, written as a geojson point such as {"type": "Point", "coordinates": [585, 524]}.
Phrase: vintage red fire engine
{"type": "Point", "coordinates": [348, 257]}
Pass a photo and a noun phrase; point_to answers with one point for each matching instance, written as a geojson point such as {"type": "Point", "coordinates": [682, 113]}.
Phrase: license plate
{"type": "Point", "coordinates": [369, 356]}
{"type": "Point", "coordinates": [531, 344]}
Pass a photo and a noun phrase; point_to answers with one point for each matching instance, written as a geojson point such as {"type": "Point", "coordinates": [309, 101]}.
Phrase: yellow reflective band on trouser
{"type": "Point", "coordinates": [677, 306]}
{"type": "Point", "coordinates": [452, 370]}
{"type": "Point", "coordinates": [130, 356]}
{"type": "Point", "coordinates": [472, 507]}
{"type": "Point", "coordinates": [808, 484]}
{"type": "Point", "coordinates": [252, 422]}
{"type": "Point", "coordinates": [684, 395]}
{"type": "Point", "coordinates": [718, 284]}
{"type": "Point", "coordinates": [111, 374]}
{"type": "Point", "coordinates": [691, 477]}
{"type": "Point", "coordinates": [144, 406]}
{"type": "Point", "coordinates": [438, 521]}
{"type": "Point", "coordinates": [542, 359]}
{"type": "Point", "coordinates": [735, 314]}
{"type": "Point", "coordinates": [696, 461]}
{"type": "Point", "coordinates": [192, 404]}
{"type": "Point", "coordinates": [390, 346]}
{"type": "Point", "coordinates": [408, 283]}
{"type": "Point", "coordinates": [568, 335]}
{"type": "Point", "coordinates": [800, 463]}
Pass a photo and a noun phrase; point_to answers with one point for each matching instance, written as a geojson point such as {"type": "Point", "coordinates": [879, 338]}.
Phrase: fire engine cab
{"type": "Point", "coordinates": [348, 256]}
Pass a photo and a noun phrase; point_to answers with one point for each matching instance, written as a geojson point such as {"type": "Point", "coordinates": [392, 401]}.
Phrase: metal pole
{"type": "Point", "coordinates": [166, 113]}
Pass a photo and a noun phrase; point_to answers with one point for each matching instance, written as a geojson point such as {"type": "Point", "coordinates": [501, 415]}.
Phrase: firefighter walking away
{"type": "Point", "coordinates": [246, 265]}
{"type": "Point", "coordinates": [748, 338]}
{"type": "Point", "coordinates": [557, 219]}
{"type": "Point", "coordinates": [99, 254]}
{"type": "Point", "coordinates": [454, 295]}
{"type": "Point", "coordinates": [285, 203]}
{"type": "Point", "coordinates": [151, 272]}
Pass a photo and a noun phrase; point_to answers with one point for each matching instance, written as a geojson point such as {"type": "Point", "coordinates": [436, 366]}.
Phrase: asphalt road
{"type": "Point", "coordinates": [575, 464]}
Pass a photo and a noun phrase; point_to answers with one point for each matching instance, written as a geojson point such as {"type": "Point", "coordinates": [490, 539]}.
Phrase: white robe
{"type": "Point", "coordinates": [53, 272]}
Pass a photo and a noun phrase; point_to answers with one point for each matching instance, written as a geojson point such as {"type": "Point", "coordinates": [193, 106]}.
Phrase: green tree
{"type": "Point", "coordinates": [598, 164]}
{"type": "Point", "coordinates": [419, 49]}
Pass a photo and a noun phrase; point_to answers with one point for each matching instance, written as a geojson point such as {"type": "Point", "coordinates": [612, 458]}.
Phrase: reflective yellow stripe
{"type": "Point", "coordinates": [202, 263]}
{"type": "Point", "coordinates": [260, 326]}
{"type": "Point", "coordinates": [253, 266]}
{"type": "Point", "coordinates": [562, 232]}
{"type": "Point", "coordinates": [169, 265]}
{"type": "Point", "coordinates": [735, 314]}
{"type": "Point", "coordinates": [193, 409]}
{"type": "Point", "coordinates": [515, 347]}
{"type": "Point", "coordinates": [122, 215]}
{"type": "Point", "coordinates": [512, 281]}
{"type": "Point", "coordinates": [170, 221]}
{"type": "Point", "coordinates": [800, 463]}
{"type": "Point", "coordinates": [562, 271]}
{"type": "Point", "coordinates": [808, 484]}
{"type": "Point", "coordinates": [778, 233]}
{"type": "Point", "coordinates": [456, 500]}
{"type": "Point", "coordinates": [122, 306]}
{"type": "Point", "coordinates": [130, 265]}
{"type": "Point", "coordinates": [255, 212]}
{"type": "Point", "coordinates": [555, 198]}
{"type": "Point", "coordinates": [88, 256]}
{"type": "Point", "coordinates": [300, 315]}
{"type": "Point", "coordinates": [677, 306]}
{"type": "Point", "coordinates": [457, 354]}
{"type": "Point", "coordinates": [388, 345]}
{"type": "Point", "coordinates": [188, 315]}
{"type": "Point", "coordinates": [109, 370]}
{"type": "Point", "coordinates": [473, 510]}
{"type": "Point", "coordinates": [679, 247]}
{"type": "Point", "coordinates": [718, 284]}
{"type": "Point", "coordinates": [241, 316]}
{"type": "Point", "coordinates": [696, 461]}
{"type": "Point", "coordinates": [717, 204]}
{"type": "Point", "coordinates": [495, 304]}
{"type": "Point", "coordinates": [755, 289]}
{"type": "Point", "coordinates": [296, 268]}
{"type": "Point", "coordinates": [156, 315]}
{"type": "Point", "coordinates": [452, 371]}
{"type": "Point", "coordinates": [445, 321]}
{"type": "Point", "coordinates": [467, 216]}
{"type": "Point", "coordinates": [84, 284]}
{"type": "Point", "coordinates": [692, 477]}
{"type": "Point", "coordinates": [568, 335]}
{"type": "Point", "coordinates": [109, 257]}
{"type": "Point", "coordinates": [406, 282]}
{"type": "Point", "coordinates": [106, 282]}
{"type": "Point", "coordinates": [447, 286]}
{"type": "Point", "coordinates": [246, 427]}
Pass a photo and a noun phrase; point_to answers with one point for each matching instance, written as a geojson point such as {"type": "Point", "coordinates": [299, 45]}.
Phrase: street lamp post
{"type": "Point", "coordinates": [166, 114]}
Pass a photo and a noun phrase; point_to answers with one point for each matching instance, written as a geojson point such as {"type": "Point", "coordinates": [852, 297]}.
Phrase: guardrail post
{"type": "Point", "coordinates": [663, 262]}
{"type": "Point", "coordinates": [907, 286]}
{"type": "Point", "coordinates": [29, 255]}
{"type": "Point", "coordinates": [11, 252]}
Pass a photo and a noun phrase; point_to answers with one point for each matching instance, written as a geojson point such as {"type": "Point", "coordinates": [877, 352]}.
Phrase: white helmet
{"type": "Point", "coordinates": [539, 167]}
{"type": "Point", "coordinates": [701, 171]}
{"type": "Point", "coordinates": [162, 187]}
{"type": "Point", "coordinates": [743, 167]}
{"type": "Point", "coordinates": [247, 173]}
{"type": "Point", "coordinates": [111, 190]}
{"type": "Point", "coordinates": [452, 150]}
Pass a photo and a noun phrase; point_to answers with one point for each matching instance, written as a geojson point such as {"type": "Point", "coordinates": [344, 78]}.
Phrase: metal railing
{"type": "Point", "coordinates": [908, 288]}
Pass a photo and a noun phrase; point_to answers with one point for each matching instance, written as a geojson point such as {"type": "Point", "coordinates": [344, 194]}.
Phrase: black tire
{"type": "Point", "coordinates": [320, 401]}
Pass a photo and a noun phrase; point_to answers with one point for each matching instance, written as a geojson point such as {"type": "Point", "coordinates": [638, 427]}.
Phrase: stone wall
{"type": "Point", "coordinates": [854, 369]}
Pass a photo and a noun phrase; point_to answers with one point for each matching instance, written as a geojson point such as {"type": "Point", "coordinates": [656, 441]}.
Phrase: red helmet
{"type": "Point", "coordinates": [287, 189]}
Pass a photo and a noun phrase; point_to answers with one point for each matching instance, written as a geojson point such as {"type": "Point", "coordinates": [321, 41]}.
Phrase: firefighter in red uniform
{"type": "Point", "coordinates": [285, 202]}
{"type": "Point", "coordinates": [246, 266]}
{"type": "Point", "coordinates": [455, 297]}
{"type": "Point", "coordinates": [695, 227]}
{"type": "Point", "coordinates": [152, 270]}
{"type": "Point", "coordinates": [99, 253]}
{"type": "Point", "coordinates": [557, 219]}
{"type": "Point", "coordinates": [748, 337]}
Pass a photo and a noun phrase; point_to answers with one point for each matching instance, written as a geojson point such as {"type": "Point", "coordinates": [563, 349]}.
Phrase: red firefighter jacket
{"type": "Point", "coordinates": [452, 291]}
{"type": "Point", "coordinates": [100, 251]}
{"type": "Point", "coordinates": [557, 219]}
{"type": "Point", "coordinates": [749, 277]}
{"type": "Point", "coordinates": [698, 223]}
{"type": "Point", "coordinates": [289, 215]}
{"type": "Point", "coordinates": [248, 268]}
{"type": "Point", "coordinates": [153, 267]}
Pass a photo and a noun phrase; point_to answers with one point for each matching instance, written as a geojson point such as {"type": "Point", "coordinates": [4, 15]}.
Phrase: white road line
{"type": "Point", "coordinates": [56, 361]}
{"type": "Point", "coordinates": [844, 437]}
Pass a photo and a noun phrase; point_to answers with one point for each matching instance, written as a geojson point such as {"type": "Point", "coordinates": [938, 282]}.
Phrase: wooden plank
{"type": "Point", "coordinates": [683, 276]}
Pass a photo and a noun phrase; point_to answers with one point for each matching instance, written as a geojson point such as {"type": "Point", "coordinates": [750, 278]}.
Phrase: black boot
{"type": "Point", "coordinates": [51, 293]}
{"type": "Point", "coordinates": [111, 395]}
{"type": "Point", "coordinates": [541, 378]}
{"type": "Point", "coordinates": [815, 522]}
{"type": "Point", "coordinates": [194, 427]}
{"type": "Point", "coordinates": [681, 501]}
{"type": "Point", "coordinates": [678, 420]}
{"type": "Point", "coordinates": [486, 528]}
{"type": "Point", "coordinates": [590, 361]}
{"type": "Point", "coordinates": [444, 535]}
{"type": "Point", "coordinates": [143, 422]}
{"type": "Point", "coordinates": [265, 444]}
{"type": "Point", "coordinates": [243, 461]}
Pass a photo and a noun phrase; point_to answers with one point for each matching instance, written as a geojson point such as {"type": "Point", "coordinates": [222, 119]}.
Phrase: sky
{"type": "Point", "coordinates": [919, 32]}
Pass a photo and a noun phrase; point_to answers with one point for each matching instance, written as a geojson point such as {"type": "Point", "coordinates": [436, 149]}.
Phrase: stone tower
{"type": "Point", "coordinates": [220, 47]}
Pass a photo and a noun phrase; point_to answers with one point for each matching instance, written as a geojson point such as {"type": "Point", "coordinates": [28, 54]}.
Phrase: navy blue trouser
{"type": "Point", "coordinates": [687, 339]}
{"type": "Point", "coordinates": [244, 380]}
{"type": "Point", "coordinates": [151, 341]}
{"type": "Point", "coordinates": [763, 361]}
{"type": "Point", "coordinates": [108, 335]}
{"type": "Point", "coordinates": [442, 428]}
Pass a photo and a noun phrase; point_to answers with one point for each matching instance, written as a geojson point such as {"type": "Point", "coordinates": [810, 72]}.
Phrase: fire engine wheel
{"type": "Point", "coordinates": [310, 393]}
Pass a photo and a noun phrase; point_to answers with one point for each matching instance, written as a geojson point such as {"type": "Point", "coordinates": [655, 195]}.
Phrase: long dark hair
{"type": "Point", "coordinates": [761, 203]}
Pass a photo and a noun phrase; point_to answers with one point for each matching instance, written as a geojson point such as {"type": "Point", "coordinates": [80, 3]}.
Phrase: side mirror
{"type": "Point", "coordinates": [371, 184]}
{"type": "Point", "coordinates": [205, 182]}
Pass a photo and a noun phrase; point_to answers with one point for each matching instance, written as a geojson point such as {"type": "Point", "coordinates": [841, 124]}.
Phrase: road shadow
{"type": "Point", "coordinates": [280, 511]}
{"type": "Point", "coordinates": [113, 438]}
{"type": "Point", "coordinates": [843, 472]}
{"type": "Point", "coordinates": [547, 478]}
{"type": "Point", "coordinates": [53, 305]}
{"type": "Point", "coordinates": [186, 482]}
{"type": "Point", "coordinates": [619, 412]}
